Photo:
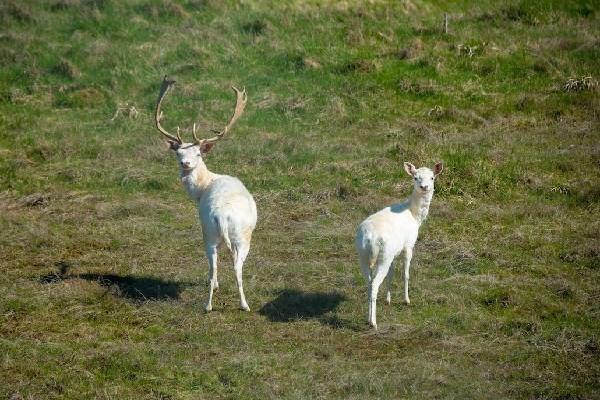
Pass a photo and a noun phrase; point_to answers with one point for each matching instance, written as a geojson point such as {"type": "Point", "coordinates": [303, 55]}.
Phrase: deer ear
{"type": "Point", "coordinates": [205, 147]}
{"type": "Point", "coordinates": [173, 145]}
{"type": "Point", "coordinates": [437, 169]}
{"type": "Point", "coordinates": [409, 168]}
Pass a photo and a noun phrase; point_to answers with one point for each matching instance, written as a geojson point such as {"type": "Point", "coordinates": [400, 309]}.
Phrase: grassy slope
{"type": "Point", "coordinates": [505, 286]}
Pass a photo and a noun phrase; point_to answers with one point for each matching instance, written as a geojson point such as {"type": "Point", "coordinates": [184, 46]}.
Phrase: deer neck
{"type": "Point", "coordinates": [197, 180]}
{"type": "Point", "coordinates": [419, 205]}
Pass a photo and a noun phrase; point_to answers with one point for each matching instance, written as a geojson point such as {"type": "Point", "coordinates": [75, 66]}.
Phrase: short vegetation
{"type": "Point", "coordinates": [103, 277]}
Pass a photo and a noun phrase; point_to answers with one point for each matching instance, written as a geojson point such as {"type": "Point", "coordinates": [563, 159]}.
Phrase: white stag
{"type": "Point", "coordinates": [227, 210]}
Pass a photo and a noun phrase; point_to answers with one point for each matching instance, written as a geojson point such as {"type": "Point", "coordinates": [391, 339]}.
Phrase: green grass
{"type": "Point", "coordinates": [103, 272]}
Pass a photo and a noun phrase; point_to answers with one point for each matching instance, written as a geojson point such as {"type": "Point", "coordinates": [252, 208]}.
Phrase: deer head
{"type": "Point", "coordinates": [190, 154]}
{"type": "Point", "coordinates": [423, 177]}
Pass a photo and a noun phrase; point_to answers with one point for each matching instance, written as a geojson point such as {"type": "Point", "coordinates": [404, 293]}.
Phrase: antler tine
{"type": "Point", "coordinates": [179, 136]}
{"type": "Point", "coordinates": [164, 88]}
{"type": "Point", "coordinates": [241, 100]}
{"type": "Point", "coordinates": [196, 140]}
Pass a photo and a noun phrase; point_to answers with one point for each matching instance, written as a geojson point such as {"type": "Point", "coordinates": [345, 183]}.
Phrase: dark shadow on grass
{"type": "Point", "coordinates": [130, 287]}
{"type": "Point", "coordinates": [293, 305]}
{"type": "Point", "coordinates": [59, 275]}
{"type": "Point", "coordinates": [137, 288]}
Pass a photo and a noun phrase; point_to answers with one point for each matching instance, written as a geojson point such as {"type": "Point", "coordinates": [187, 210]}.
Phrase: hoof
{"type": "Point", "coordinates": [208, 308]}
{"type": "Point", "coordinates": [407, 301]}
{"type": "Point", "coordinates": [245, 307]}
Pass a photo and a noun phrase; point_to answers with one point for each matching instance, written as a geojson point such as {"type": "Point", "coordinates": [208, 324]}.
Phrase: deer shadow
{"type": "Point", "coordinates": [137, 288]}
{"type": "Point", "coordinates": [293, 305]}
{"type": "Point", "coordinates": [129, 287]}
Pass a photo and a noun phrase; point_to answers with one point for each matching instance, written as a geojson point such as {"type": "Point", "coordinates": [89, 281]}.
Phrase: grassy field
{"type": "Point", "coordinates": [103, 271]}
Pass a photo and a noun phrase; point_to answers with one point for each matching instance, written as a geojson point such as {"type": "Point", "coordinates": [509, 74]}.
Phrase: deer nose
{"type": "Point", "coordinates": [424, 187]}
{"type": "Point", "coordinates": [185, 164]}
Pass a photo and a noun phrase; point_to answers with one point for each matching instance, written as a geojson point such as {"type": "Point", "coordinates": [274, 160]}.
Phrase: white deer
{"type": "Point", "coordinates": [385, 234]}
{"type": "Point", "coordinates": [227, 210]}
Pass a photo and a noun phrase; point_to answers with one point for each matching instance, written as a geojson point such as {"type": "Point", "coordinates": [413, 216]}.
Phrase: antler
{"type": "Point", "coordinates": [240, 104]}
{"type": "Point", "coordinates": [196, 140]}
{"type": "Point", "coordinates": [164, 88]}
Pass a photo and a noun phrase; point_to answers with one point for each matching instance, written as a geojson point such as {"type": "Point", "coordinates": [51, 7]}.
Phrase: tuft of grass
{"type": "Point", "coordinates": [586, 83]}
{"type": "Point", "coordinates": [16, 11]}
{"type": "Point", "coordinates": [66, 69]}
{"type": "Point", "coordinates": [80, 97]}
{"type": "Point", "coordinates": [256, 27]}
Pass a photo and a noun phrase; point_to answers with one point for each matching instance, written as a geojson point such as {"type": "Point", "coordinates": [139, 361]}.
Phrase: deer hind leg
{"type": "Point", "coordinates": [211, 246]}
{"type": "Point", "coordinates": [211, 254]}
{"type": "Point", "coordinates": [407, 258]}
{"type": "Point", "coordinates": [240, 252]}
{"type": "Point", "coordinates": [389, 278]}
{"type": "Point", "coordinates": [212, 270]}
{"type": "Point", "coordinates": [366, 272]}
{"type": "Point", "coordinates": [381, 271]}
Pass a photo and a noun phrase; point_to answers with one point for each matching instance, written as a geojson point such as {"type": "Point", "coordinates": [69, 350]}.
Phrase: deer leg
{"type": "Point", "coordinates": [211, 254]}
{"type": "Point", "coordinates": [375, 283]}
{"type": "Point", "coordinates": [389, 278]}
{"type": "Point", "coordinates": [239, 258]}
{"type": "Point", "coordinates": [407, 259]}
{"type": "Point", "coordinates": [366, 271]}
